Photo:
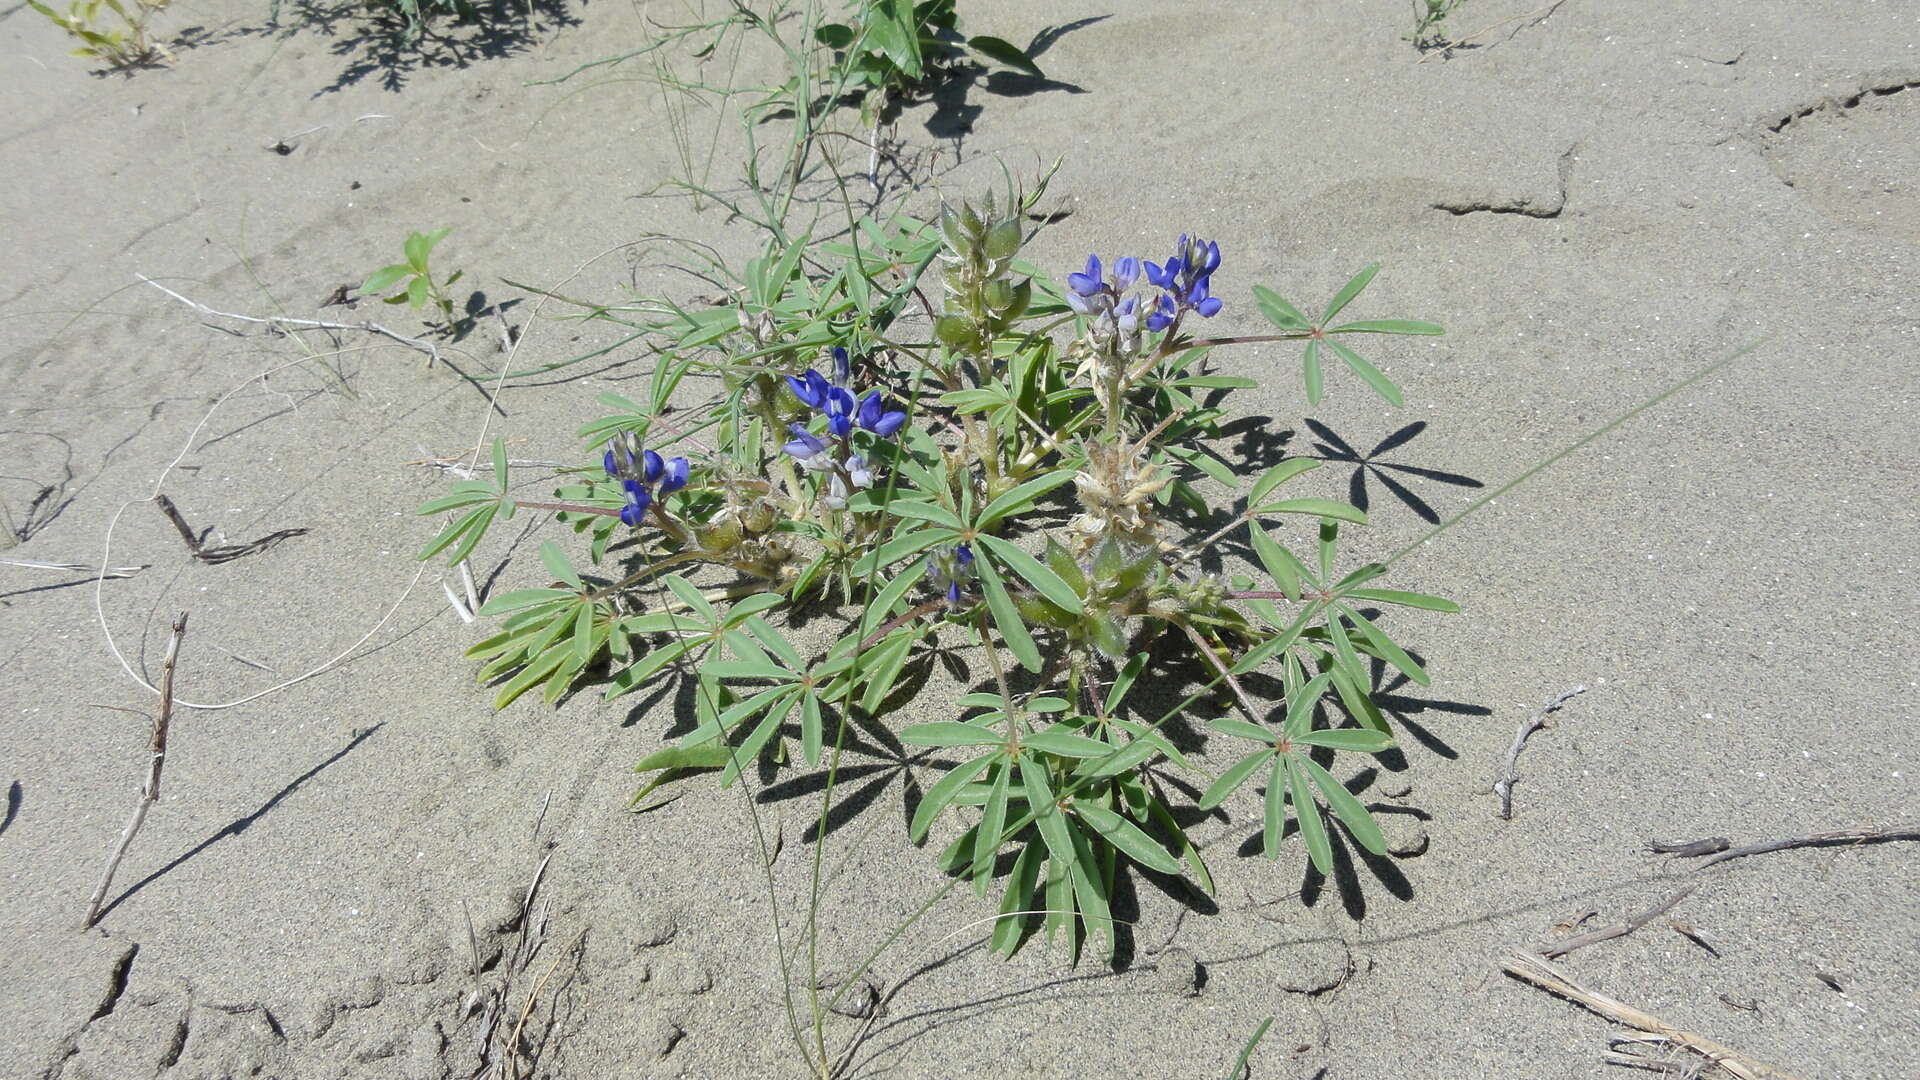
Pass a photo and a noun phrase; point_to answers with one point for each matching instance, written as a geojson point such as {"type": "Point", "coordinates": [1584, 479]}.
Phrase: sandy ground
{"type": "Point", "coordinates": [1595, 204]}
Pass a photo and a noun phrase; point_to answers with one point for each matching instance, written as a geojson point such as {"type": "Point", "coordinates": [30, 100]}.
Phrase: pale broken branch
{"type": "Point", "coordinates": [1532, 968]}
{"type": "Point", "coordinates": [150, 790]}
{"type": "Point", "coordinates": [1504, 788]}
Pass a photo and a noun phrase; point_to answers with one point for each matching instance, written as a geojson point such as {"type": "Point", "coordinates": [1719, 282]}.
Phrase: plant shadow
{"type": "Point", "coordinates": [1332, 448]}
{"type": "Point", "coordinates": [375, 39]}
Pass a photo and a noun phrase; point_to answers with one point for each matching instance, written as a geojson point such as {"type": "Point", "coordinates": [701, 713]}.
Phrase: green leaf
{"type": "Point", "coordinates": [1352, 814]}
{"type": "Point", "coordinates": [1385, 646]}
{"type": "Point", "coordinates": [522, 598]}
{"type": "Point", "coordinates": [1278, 561]}
{"type": "Point", "coordinates": [1045, 581]}
{"type": "Point", "coordinates": [993, 821]}
{"type": "Point", "coordinates": [812, 727]}
{"type": "Point", "coordinates": [500, 464]}
{"type": "Point", "coordinates": [1066, 744]}
{"type": "Point", "coordinates": [1236, 775]}
{"type": "Point", "coordinates": [1273, 808]}
{"type": "Point", "coordinates": [1009, 928]}
{"type": "Point", "coordinates": [1373, 376]}
{"type": "Point", "coordinates": [1123, 681]}
{"type": "Point", "coordinates": [1127, 837]}
{"type": "Point", "coordinates": [1307, 812]}
{"type": "Point", "coordinates": [1317, 507]}
{"type": "Point", "coordinates": [1229, 725]}
{"type": "Point", "coordinates": [1006, 617]}
{"type": "Point", "coordinates": [1300, 705]}
{"type": "Point", "coordinates": [941, 794]}
{"type": "Point", "coordinates": [751, 747]}
{"type": "Point", "coordinates": [417, 250]}
{"type": "Point", "coordinates": [1389, 326]}
{"type": "Point", "coordinates": [557, 564]}
{"type": "Point", "coordinates": [888, 659]}
{"type": "Point", "coordinates": [909, 508]}
{"type": "Point", "coordinates": [1054, 830]}
{"type": "Point", "coordinates": [1278, 475]}
{"type": "Point", "coordinates": [1348, 291]}
{"type": "Point", "coordinates": [1407, 599]}
{"type": "Point", "coordinates": [949, 733]}
{"type": "Point", "coordinates": [1278, 311]}
{"type": "Point", "coordinates": [994, 48]}
{"type": "Point", "coordinates": [670, 760]}
{"type": "Point", "coordinates": [417, 292]}
{"type": "Point", "coordinates": [901, 546]}
{"type": "Point", "coordinates": [696, 604]}
{"type": "Point", "coordinates": [1310, 371]}
{"type": "Point", "coordinates": [1360, 740]}
{"type": "Point", "coordinates": [1021, 497]}
{"type": "Point", "coordinates": [384, 278]}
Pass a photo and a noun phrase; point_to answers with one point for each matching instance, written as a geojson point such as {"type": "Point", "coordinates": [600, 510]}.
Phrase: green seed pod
{"type": "Point", "coordinates": [998, 295]}
{"type": "Point", "coordinates": [1003, 240]}
{"type": "Point", "coordinates": [952, 231]}
{"type": "Point", "coordinates": [955, 331]}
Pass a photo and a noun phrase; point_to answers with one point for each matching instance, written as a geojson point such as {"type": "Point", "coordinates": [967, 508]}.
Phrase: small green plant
{"type": "Point", "coordinates": [422, 287]}
{"type": "Point", "coordinates": [1429, 19]}
{"type": "Point", "coordinates": [1025, 489]}
{"type": "Point", "coordinates": [888, 49]}
{"type": "Point", "coordinates": [123, 46]}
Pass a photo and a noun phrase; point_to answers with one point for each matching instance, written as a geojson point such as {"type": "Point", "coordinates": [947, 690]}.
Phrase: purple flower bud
{"type": "Point", "coordinates": [674, 476]}
{"type": "Point", "coordinates": [842, 368]}
{"type": "Point", "coordinates": [1126, 270]}
{"type": "Point", "coordinates": [638, 499]}
{"type": "Point", "coordinates": [953, 592]}
{"type": "Point", "coordinates": [654, 466]}
{"type": "Point", "coordinates": [810, 388]}
{"type": "Point", "coordinates": [612, 471]}
{"type": "Point", "coordinates": [1161, 278]}
{"type": "Point", "coordinates": [964, 555]}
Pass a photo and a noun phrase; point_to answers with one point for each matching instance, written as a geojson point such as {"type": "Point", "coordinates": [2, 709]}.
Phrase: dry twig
{"type": "Point", "coordinates": [150, 790]}
{"type": "Point", "coordinates": [1719, 851]}
{"type": "Point", "coordinates": [1534, 969]}
{"type": "Point", "coordinates": [1606, 933]}
{"type": "Point", "coordinates": [1504, 788]}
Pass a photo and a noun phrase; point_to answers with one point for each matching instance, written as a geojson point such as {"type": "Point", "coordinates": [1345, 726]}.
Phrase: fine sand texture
{"type": "Point", "coordinates": [1596, 199]}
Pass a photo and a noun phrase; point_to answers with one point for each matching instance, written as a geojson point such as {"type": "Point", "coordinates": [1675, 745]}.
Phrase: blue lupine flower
{"type": "Point", "coordinates": [808, 449]}
{"type": "Point", "coordinates": [1186, 282]}
{"type": "Point", "coordinates": [638, 499]}
{"type": "Point", "coordinates": [810, 388]}
{"type": "Point", "coordinates": [839, 409]}
{"type": "Point", "coordinates": [964, 555]}
{"type": "Point", "coordinates": [674, 476]}
{"type": "Point", "coordinates": [1087, 282]}
{"type": "Point", "coordinates": [877, 418]}
{"type": "Point", "coordinates": [842, 369]}
{"type": "Point", "coordinates": [640, 473]}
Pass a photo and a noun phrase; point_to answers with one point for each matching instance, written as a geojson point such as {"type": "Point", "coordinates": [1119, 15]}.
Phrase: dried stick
{"type": "Point", "coordinates": [149, 791]}
{"type": "Point", "coordinates": [1504, 788]}
{"type": "Point", "coordinates": [283, 323]}
{"type": "Point", "coordinates": [1580, 941]}
{"type": "Point", "coordinates": [1720, 852]}
{"type": "Point", "coordinates": [1531, 968]}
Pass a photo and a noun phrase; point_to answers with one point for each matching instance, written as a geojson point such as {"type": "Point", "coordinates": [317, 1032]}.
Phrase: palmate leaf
{"type": "Point", "coordinates": [993, 821]}
{"type": "Point", "coordinates": [1385, 647]}
{"type": "Point", "coordinates": [1010, 928]}
{"type": "Point", "coordinates": [1351, 289]}
{"type": "Point", "coordinates": [1045, 581]}
{"type": "Point", "coordinates": [941, 795]}
{"type": "Point", "coordinates": [1359, 823]}
{"type": "Point", "coordinates": [1278, 475]}
{"type": "Point", "coordinates": [1367, 372]}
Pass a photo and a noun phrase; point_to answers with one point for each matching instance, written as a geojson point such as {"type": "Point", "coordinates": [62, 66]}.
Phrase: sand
{"type": "Point", "coordinates": [1595, 203]}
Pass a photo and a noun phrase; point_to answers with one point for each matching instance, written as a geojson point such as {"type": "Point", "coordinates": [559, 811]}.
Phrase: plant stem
{"type": "Point", "coordinates": [1239, 692]}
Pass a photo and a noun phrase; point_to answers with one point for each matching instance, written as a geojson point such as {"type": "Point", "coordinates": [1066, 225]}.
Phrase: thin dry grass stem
{"type": "Point", "coordinates": [1532, 968]}
{"type": "Point", "coordinates": [285, 324]}
{"type": "Point", "coordinates": [150, 789]}
{"type": "Point", "coordinates": [102, 571]}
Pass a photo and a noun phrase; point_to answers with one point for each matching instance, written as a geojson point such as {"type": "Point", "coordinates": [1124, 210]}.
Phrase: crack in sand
{"type": "Point", "coordinates": [1840, 105]}
{"type": "Point", "coordinates": [1522, 205]}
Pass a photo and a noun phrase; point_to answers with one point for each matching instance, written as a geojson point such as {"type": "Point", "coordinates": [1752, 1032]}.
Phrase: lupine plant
{"type": "Point", "coordinates": [1027, 485]}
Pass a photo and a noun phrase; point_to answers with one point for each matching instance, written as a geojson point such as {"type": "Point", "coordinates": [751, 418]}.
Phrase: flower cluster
{"type": "Point", "coordinates": [833, 454]}
{"type": "Point", "coordinates": [1184, 281]}
{"type": "Point", "coordinates": [645, 475]}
